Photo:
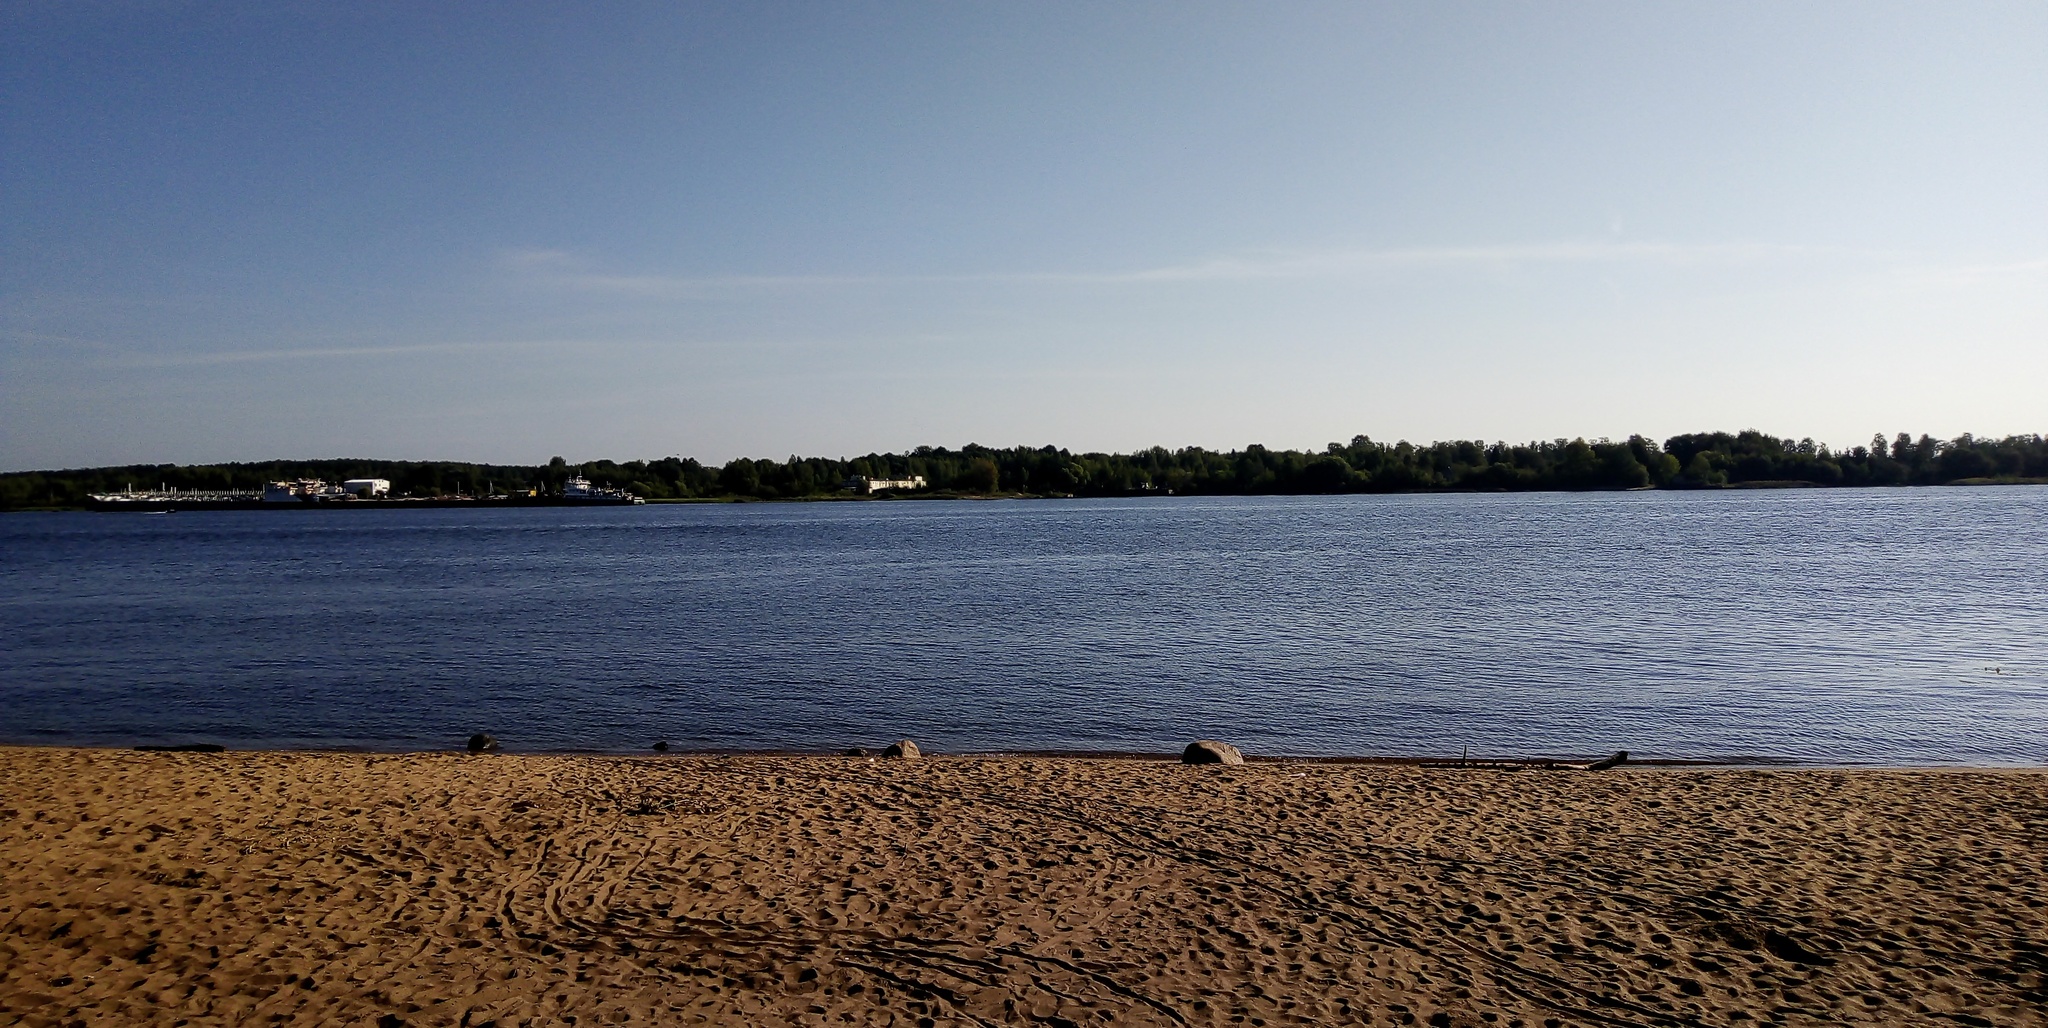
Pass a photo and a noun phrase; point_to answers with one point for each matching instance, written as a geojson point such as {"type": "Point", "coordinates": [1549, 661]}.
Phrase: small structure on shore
{"type": "Point", "coordinates": [902, 748]}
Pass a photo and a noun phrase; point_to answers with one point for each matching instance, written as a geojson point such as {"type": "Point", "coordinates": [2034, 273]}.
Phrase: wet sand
{"type": "Point", "coordinates": [302, 888]}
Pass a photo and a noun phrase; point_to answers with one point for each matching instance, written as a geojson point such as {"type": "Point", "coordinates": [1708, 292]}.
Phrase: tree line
{"type": "Point", "coordinates": [1705, 460]}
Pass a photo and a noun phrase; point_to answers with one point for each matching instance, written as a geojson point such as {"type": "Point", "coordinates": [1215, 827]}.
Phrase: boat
{"type": "Point", "coordinates": [164, 499]}
{"type": "Point", "coordinates": [580, 490]}
{"type": "Point", "coordinates": [305, 490]}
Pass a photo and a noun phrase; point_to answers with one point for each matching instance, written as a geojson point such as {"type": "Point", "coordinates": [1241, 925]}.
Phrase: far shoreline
{"type": "Point", "coordinates": [446, 503]}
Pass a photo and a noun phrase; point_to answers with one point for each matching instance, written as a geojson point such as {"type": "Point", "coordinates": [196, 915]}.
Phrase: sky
{"type": "Point", "coordinates": [508, 231]}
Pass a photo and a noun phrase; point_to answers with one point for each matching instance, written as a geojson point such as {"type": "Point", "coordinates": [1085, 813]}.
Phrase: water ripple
{"type": "Point", "coordinates": [1894, 626]}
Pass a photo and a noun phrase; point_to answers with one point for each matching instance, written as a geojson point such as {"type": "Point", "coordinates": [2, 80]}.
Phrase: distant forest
{"type": "Point", "coordinates": [1708, 460]}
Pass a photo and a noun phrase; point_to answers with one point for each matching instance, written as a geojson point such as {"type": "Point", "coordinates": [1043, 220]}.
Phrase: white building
{"type": "Point", "coordinates": [864, 484]}
{"type": "Point", "coordinates": [367, 487]}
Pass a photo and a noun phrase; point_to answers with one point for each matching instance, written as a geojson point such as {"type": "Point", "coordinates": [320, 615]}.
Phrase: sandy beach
{"type": "Point", "coordinates": [432, 889]}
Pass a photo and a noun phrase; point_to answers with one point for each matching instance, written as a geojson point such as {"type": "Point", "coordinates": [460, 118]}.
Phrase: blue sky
{"type": "Point", "coordinates": [509, 231]}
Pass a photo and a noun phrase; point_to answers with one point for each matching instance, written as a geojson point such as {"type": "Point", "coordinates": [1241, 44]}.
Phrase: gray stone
{"type": "Point", "coordinates": [1209, 751]}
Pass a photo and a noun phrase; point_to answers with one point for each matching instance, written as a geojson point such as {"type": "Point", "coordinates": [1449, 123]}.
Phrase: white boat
{"type": "Point", "coordinates": [579, 490]}
{"type": "Point", "coordinates": [304, 490]}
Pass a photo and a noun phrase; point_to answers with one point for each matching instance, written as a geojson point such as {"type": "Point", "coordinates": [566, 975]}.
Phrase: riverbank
{"type": "Point", "coordinates": [1698, 460]}
{"type": "Point", "coordinates": [946, 494]}
{"type": "Point", "coordinates": [445, 889]}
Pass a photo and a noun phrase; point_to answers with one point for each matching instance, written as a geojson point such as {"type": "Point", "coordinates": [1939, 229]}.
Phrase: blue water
{"type": "Point", "coordinates": [1891, 626]}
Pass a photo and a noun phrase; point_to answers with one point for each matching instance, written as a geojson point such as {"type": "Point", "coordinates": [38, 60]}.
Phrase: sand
{"type": "Point", "coordinates": [303, 888]}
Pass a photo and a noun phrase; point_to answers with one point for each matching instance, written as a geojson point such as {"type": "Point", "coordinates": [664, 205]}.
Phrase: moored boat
{"type": "Point", "coordinates": [580, 490]}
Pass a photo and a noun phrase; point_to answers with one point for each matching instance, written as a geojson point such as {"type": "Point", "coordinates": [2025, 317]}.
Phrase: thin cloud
{"type": "Point", "coordinates": [658, 285]}
{"type": "Point", "coordinates": [1264, 266]}
{"type": "Point", "coordinates": [1970, 274]}
{"type": "Point", "coordinates": [701, 348]}
{"type": "Point", "coordinates": [536, 257]}
{"type": "Point", "coordinates": [218, 357]}
{"type": "Point", "coordinates": [53, 339]}
{"type": "Point", "coordinates": [1343, 262]}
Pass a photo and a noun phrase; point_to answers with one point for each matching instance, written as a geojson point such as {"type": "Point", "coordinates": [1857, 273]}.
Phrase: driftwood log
{"type": "Point", "coordinates": [1613, 760]}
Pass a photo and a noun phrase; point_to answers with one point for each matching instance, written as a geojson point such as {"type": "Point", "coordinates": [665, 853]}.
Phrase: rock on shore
{"type": "Point", "coordinates": [1209, 751]}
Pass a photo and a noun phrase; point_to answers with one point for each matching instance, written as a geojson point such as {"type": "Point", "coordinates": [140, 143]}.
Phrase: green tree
{"type": "Point", "coordinates": [980, 476]}
{"type": "Point", "coordinates": [739, 477]}
{"type": "Point", "coordinates": [1328, 474]}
